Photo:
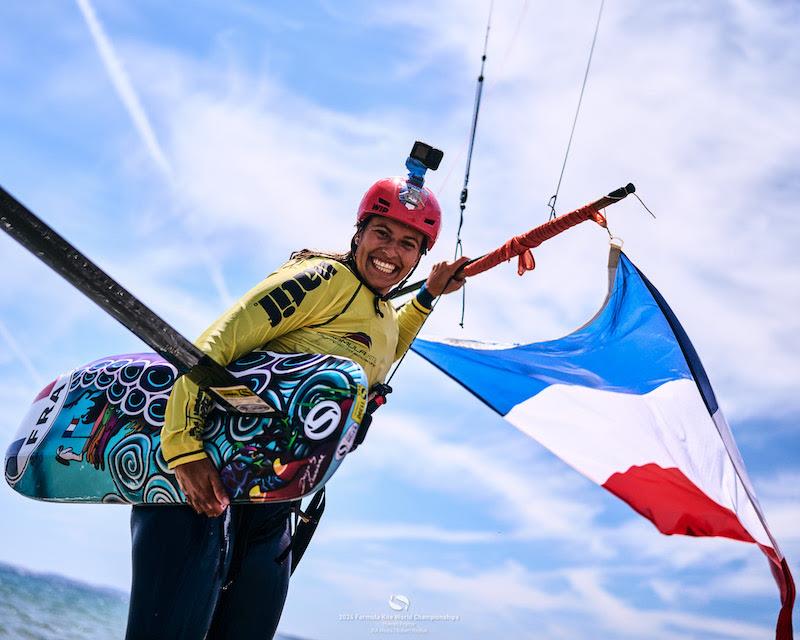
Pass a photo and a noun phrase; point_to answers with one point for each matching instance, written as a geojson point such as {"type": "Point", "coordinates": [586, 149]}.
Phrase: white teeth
{"type": "Point", "coordinates": [383, 267]}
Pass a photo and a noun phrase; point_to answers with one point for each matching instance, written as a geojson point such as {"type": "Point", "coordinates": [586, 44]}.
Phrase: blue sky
{"type": "Point", "coordinates": [189, 148]}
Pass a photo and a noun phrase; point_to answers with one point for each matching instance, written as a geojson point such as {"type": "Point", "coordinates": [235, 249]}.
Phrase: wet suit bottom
{"type": "Point", "coordinates": [196, 577]}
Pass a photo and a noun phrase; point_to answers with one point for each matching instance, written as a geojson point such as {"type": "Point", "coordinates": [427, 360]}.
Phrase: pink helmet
{"type": "Point", "coordinates": [399, 200]}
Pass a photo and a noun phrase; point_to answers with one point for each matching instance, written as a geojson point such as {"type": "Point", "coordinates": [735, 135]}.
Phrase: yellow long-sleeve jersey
{"type": "Point", "coordinates": [312, 305]}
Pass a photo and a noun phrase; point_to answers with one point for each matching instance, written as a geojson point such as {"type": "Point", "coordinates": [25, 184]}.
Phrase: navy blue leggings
{"type": "Point", "coordinates": [197, 577]}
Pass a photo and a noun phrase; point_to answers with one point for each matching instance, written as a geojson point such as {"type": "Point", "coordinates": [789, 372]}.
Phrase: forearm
{"type": "Point", "coordinates": [181, 436]}
{"type": "Point", "coordinates": [411, 317]}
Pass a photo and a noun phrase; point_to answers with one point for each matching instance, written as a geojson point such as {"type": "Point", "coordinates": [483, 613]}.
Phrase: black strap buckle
{"type": "Point", "coordinates": [304, 527]}
{"type": "Point", "coordinates": [377, 398]}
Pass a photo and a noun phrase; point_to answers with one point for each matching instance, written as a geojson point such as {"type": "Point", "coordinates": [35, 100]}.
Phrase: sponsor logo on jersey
{"type": "Point", "coordinates": [284, 300]}
{"type": "Point", "coordinates": [360, 337]}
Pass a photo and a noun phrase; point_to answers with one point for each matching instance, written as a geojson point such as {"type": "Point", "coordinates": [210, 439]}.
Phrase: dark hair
{"type": "Point", "coordinates": [303, 254]}
{"type": "Point", "coordinates": [347, 257]}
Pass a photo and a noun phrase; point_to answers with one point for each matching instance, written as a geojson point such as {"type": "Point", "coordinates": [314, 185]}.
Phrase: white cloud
{"type": "Point", "coordinates": [130, 99]}
{"type": "Point", "coordinates": [625, 620]}
{"type": "Point", "coordinates": [123, 86]}
{"type": "Point", "coordinates": [748, 578]}
{"type": "Point", "coordinates": [784, 485]}
{"type": "Point", "coordinates": [20, 355]}
{"type": "Point", "coordinates": [564, 602]}
{"type": "Point", "coordinates": [533, 504]}
{"type": "Point", "coordinates": [388, 531]}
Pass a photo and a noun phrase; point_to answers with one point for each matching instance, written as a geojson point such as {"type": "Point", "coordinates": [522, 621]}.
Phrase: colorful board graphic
{"type": "Point", "coordinates": [92, 435]}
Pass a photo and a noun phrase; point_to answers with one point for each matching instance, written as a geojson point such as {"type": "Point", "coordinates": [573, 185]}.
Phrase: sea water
{"type": "Point", "coordinates": [38, 606]}
{"type": "Point", "coordinates": [49, 607]}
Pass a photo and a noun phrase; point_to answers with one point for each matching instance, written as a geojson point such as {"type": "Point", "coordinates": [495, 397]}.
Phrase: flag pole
{"type": "Point", "coordinates": [521, 245]}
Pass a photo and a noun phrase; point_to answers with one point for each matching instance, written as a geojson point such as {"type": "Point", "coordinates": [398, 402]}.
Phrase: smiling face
{"type": "Point", "coordinates": [387, 250]}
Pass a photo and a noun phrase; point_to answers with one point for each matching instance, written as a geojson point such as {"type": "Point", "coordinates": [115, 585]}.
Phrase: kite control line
{"type": "Point", "coordinates": [83, 274]}
{"type": "Point", "coordinates": [552, 203]}
{"type": "Point", "coordinates": [459, 250]}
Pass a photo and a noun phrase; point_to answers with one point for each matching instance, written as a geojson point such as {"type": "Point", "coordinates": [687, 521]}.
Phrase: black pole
{"type": "Point", "coordinates": [83, 274]}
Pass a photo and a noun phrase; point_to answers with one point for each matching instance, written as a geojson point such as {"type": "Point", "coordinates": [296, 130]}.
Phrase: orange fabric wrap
{"type": "Point", "coordinates": [522, 244]}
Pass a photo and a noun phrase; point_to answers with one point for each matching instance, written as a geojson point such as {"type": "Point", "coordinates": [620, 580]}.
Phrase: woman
{"type": "Point", "coordinates": [211, 569]}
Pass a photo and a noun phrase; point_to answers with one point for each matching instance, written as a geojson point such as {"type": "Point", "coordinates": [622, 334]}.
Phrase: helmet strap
{"type": "Point", "coordinates": [400, 285]}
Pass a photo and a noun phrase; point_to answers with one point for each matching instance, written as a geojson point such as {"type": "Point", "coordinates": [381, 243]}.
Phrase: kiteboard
{"type": "Point", "coordinates": [93, 434]}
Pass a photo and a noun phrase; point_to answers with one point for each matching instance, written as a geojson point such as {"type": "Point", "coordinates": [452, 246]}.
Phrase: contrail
{"type": "Point", "coordinates": [132, 104]}
{"type": "Point", "coordinates": [124, 88]}
{"type": "Point", "coordinates": [21, 355]}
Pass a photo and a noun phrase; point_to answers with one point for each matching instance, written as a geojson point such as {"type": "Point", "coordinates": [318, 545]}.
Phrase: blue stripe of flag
{"type": "Point", "coordinates": [628, 347]}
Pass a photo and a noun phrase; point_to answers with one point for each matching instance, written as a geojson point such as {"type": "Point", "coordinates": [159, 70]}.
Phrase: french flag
{"type": "Point", "coordinates": [625, 401]}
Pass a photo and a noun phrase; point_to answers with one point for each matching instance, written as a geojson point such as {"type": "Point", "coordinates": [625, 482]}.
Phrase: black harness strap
{"type": "Point", "coordinates": [304, 525]}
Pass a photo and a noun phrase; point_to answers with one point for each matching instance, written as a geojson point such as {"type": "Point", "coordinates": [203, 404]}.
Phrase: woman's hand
{"type": "Point", "coordinates": [444, 277]}
{"type": "Point", "coordinates": [201, 483]}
